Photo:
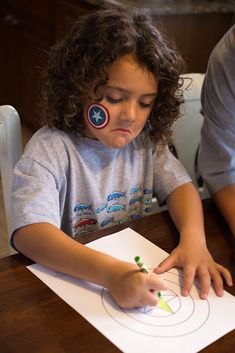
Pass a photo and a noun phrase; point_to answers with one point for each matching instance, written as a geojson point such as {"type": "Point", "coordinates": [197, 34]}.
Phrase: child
{"type": "Point", "coordinates": [110, 94]}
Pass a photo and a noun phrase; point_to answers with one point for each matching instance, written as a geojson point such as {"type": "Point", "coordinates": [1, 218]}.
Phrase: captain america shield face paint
{"type": "Point", "coordinates": [97, 116]}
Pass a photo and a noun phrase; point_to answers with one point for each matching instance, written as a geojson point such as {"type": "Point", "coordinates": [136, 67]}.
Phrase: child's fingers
{"type": "Point", "coordinates": [218, 282]}
{"type": "Point", "coordinates": [149, 298]}
{"type": "Point", "coordinates": [189, 274]}
{"type": "Point", "coordinates": [156, 283]}
{"type": "Point", "coordinates": [217, 276]}
{"type": "Point", "coordinates": [205, 282]}
{"type": "Point", "coordinates": [165, 265]}
{"type": "Point", "coordinates": [225, 274]}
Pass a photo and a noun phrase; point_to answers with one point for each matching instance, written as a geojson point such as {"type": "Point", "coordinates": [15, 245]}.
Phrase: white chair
{"type": "Point", "coordinates": [10, 152]}
{"type": "Point", "coordinates": [187, 129]}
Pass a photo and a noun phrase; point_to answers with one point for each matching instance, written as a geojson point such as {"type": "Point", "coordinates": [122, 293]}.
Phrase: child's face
{"type": "Point", "coordinates": [128, 99]}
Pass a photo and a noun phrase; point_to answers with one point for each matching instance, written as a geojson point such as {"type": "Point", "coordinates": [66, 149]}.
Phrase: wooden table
{"type": "Point", "coordinates": [34, 319]}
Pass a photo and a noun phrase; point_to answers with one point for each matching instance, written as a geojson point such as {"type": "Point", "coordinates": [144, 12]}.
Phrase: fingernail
{"type": "Point", "coordinates": [204, 296]}
{"type": "Point", "coordinates": [185, 293]}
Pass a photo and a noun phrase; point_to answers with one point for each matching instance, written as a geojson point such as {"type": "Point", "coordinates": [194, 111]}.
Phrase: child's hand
{"type": "Point", "coordinates": [132, 288]}
{"type": "Point", "coordinates": [195, 260]}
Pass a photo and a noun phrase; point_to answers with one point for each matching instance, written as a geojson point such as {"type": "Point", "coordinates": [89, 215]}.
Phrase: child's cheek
{"type": "Point", "coordinates": [97, 116]}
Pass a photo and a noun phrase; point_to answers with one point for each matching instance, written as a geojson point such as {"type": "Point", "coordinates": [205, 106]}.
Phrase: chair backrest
{"type": "Point", "coordinates": [187, 129]}
{"type": "Point", "coordinates": [10, 152]}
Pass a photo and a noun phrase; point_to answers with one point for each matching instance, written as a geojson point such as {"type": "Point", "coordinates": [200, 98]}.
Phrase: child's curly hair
{"type": "Point", "coordinates": [83, 57]}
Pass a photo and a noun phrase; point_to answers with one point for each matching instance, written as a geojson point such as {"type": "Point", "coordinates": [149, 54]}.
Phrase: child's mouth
{"type": "Point", "coordinates": [121, 131]}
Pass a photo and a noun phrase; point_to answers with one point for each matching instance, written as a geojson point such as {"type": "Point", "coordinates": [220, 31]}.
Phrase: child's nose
{"type": "Point", "coordinates": [129, 111]}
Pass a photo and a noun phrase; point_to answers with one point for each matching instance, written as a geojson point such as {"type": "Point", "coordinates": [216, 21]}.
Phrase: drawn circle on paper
{"type": "Point", "coordinates": [189, 313]}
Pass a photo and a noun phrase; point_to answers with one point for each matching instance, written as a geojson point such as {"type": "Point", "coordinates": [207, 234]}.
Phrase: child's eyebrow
{"type": "Point", "coordinates": [150, 94]}
{"type": "Point", "coordinates": [123, 90]}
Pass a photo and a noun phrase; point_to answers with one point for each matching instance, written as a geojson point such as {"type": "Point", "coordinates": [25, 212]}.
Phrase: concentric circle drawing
{"type": "Point", "coordinates": [187, 317]}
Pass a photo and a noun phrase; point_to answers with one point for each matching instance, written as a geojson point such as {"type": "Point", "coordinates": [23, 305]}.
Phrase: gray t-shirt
{"type": "Point", "coordinates": [78, 184]}
{"type": "Point", "coordinates": [217, 148]}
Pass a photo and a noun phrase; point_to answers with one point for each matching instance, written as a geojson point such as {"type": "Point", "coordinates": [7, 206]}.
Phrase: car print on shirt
{"type": "Point", "coordinates": [132, 209]}
{"type": "Point", "coordinates": [135, 199]}
{"type": "Point", "coordinates": [101, 208]}
{"type": "Point", "coordinates": [135, 189]}
{"type": "Point", "coordinates": [122, 220]}
{"type": "Point", "coordinates": [116, 208]}
{"type": "Point", "coordinates": [82, 207]}
{"type": "Point", "coordinates": [85, 222]}
{"type": "Point", "coordinates": [148, 201]}
{"type": "Point", "coordinates": [107, 221]}
{"type": "Point", "coordinates": [116, 195]}
{"type": "Point", "coordinates": [148, 191]}
{"type": "Point", "coordinates": [148, 209]}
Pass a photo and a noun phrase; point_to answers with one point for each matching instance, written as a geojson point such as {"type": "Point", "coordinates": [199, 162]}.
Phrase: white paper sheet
{"type": "Point", "coordinates": [194, 324]}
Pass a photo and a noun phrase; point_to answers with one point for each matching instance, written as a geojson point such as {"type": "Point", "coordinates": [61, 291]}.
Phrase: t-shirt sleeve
{"type": "Point", "coordinates": [35, 195]}
{"type": "Point", "coordinates": [169, 174]}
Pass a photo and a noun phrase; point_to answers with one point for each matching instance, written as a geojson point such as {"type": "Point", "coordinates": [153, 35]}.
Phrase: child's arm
{"type": "Point", "coordinates": [191, 254]}
{"type": "Point", "coordinates": [46, 244]}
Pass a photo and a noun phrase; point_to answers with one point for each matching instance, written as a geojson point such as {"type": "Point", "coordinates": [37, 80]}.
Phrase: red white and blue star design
{"type": "Point", "coordinates": [97, 116]}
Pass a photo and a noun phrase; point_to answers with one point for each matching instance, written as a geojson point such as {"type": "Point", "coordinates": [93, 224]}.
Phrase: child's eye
{"type": "Point", "coordinates": [145, 105]}
{"type": "Point", "coordinates": [113, 100]}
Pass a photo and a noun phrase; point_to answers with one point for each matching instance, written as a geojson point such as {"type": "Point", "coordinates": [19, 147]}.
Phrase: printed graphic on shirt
{"type": "Point", "coordinates": [118, 206]}
{"type": "Point", "coordinates": [101, 208]}
{"type": "Point", "coordinates": [116, 195]}
{"type": "Point", "coordinates": [135, 189]}
{"type": "Point", "coordinates": [84, 222]}
{"type": "Point", "coordinates": [82, 206]}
